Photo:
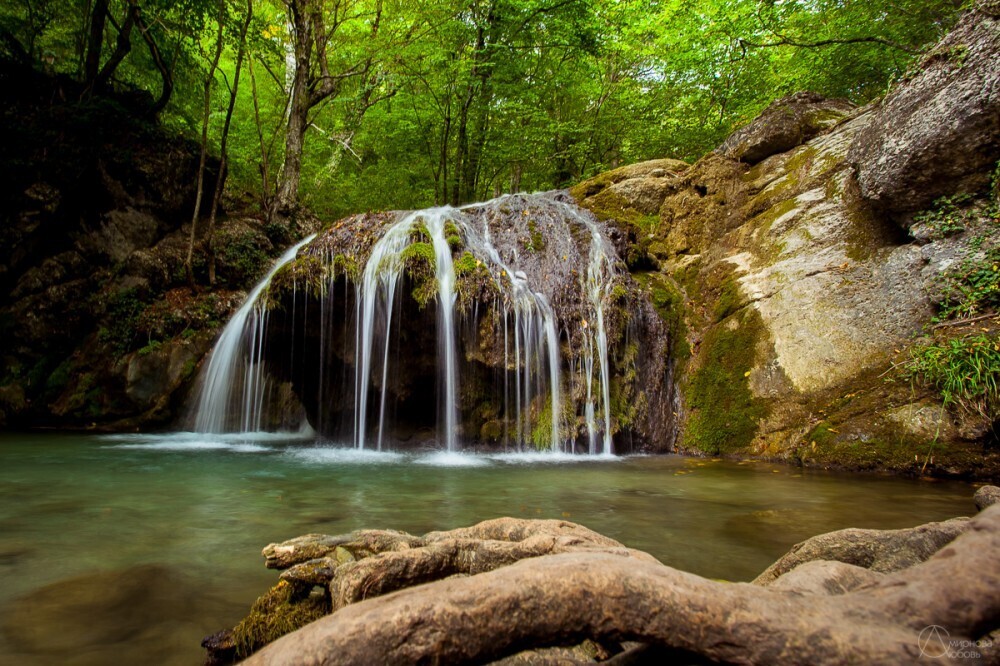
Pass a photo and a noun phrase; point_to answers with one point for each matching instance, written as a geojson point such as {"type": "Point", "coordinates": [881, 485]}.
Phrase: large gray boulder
{"type": "Point", "coordinates": [785, 124]}
{"type": "Point", "coordinates": [938, 132]}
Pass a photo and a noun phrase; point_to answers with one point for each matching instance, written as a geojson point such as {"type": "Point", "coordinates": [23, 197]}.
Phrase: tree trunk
{"type": "Point", "coordinates": [220, 181]}
{"type": "Point", "coordinates": [298, 113]}
{"type": "Point", "coordinates": [166, 77]}
{"type": "Point", "coordinates": [206, 114]}
{"type": "Point", "coordinates": [265, 170]}
{"type": "Point", "coordinates": [95, 42]}
{"type": "Point", "coordinates": [565, 598]}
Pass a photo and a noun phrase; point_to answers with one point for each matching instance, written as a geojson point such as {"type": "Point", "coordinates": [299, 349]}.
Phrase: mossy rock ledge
{"type": "Point", "coordinates": [800, 293]}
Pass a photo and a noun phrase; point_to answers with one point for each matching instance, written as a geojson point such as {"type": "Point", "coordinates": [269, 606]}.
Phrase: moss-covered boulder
{"type": "Point", "coordinates": [785, 124]}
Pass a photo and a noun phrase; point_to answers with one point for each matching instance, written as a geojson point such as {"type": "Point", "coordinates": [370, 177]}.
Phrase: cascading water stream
{"type": "Point", "coordinates": [522, 286]}
{"type": "Point", "coordinates": [376, 293]}
{"type": "Point", "coordinates": [237, 355]}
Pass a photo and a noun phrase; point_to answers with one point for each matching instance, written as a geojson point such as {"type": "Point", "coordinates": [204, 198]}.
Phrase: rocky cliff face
{"type": "Point", "coordinates": [797, 262]}
{"type": "Point", "coordinates": [97, 325]}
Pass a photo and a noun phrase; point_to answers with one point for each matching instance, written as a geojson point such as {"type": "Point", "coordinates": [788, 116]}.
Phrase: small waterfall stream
{"type": "Point", "coordinates": [234, 373]}
{"type": "Point", "coordinates": [517, 355]}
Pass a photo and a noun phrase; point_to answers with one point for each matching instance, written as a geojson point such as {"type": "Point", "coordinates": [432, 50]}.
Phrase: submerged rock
{"type": "Point", "coordinates": [111, 617]}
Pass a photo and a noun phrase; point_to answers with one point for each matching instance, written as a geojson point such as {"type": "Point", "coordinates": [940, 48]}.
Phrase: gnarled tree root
{"type": "Point", "coordinates": [565, 598]}
{"type": "Point", "coordinates": [367, 563]}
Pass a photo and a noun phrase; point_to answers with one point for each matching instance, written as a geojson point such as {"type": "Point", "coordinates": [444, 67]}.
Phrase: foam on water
{"type": "Point", "coordinates": [546, 457]}
{"type": "Point", "coordinates": [195, 445]}
{"type": "Point", "coordinates": [451, 459]}
{"type": "Point", "coordinates": [342, 455]}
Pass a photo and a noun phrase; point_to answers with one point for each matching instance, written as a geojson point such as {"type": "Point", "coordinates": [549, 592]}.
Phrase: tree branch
{"type": "Point", "coordinates": [785, 41]}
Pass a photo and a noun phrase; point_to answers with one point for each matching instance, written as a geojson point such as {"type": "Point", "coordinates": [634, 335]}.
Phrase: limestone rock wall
{"type": "Point", "coordinates": [798, 291]}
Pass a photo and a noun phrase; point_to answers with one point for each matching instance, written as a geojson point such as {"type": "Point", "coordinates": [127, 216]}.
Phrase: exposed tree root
{"type": "Point", "coordinates": [616, 595]}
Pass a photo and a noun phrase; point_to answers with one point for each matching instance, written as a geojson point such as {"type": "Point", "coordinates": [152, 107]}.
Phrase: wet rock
{"type": "Point", "coordinates": [785, 124]}
{"type": "Point", "coordinates": [986, 496]}
{"type": "Point", "coordinates": [156, 373]}
{"type": "Point", "coordinates": [937, 133]}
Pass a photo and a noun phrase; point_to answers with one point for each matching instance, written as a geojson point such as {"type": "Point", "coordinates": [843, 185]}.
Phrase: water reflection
{"type": "Point", "coordinates": [84, 520]}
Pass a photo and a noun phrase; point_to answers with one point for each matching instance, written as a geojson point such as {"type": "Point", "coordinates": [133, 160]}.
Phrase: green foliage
{"type": "Point", "coordinates": [724, 413]}
{"type": "Point", "coordinates": [121, 321]}
{"type": "Point", "coordinates": [462, 100]}
{"type": "Point", "coordinates": [973, 287]}
{"type": "Point", "coordinates": [149, 348]}
{"type": "Point", "coordinates": [947, 216]}
{"type": "Point", "coordinates": [964, 367]}
{"type": "Point", "coordinates": [244, 258]}
{"type": "Point", "coordinates": [965, 370]}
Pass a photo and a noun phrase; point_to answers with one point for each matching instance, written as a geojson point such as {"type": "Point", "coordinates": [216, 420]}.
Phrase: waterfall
{"type": "Point", "coordinates": [376, 293]}
{"type": "Point", "coordinates": [514, 351]}
{"type": "Point", "coordinates": [234, 384]}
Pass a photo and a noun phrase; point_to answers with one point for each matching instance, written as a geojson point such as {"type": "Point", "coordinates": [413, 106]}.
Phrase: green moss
{"type": "Point", "coordinates": [541, 431]}
{"type": "Point", "coordinates": [537, 242]}
{"type": "Point", "coordinates": [466, 264]}
{"type": "Point", "coordinates": [417, 252]}
{"type": "Point", "coordinates": [347, 265]}
{"type": "Point", "coordinates": [59, 378]}
{"type": "Point", "coordinates": [766, 220]}
{"type": "Point", "coordinates": [723, 411]}
{"type": "Point", "coordinates": [730, 299]}
{"type": "Point", "coordinates": [688, 277]}
{"type": "Point", "coordinates": [306, 273]}
{"type": "Point", "coordinates": [149, 348]}
{"type": "Point", "coordinates": [823, 434]}
{"type": "Point", "coordinates": [628, 402]}
{"type": "Point", "coordinates": [668, 301]}
{"type": "Point", "coordinates": [275, 614]}
{"type": "Point", "coordinates": [420, 234]}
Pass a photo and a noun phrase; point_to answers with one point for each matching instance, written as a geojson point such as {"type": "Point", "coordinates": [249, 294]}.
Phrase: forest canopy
{"type": "Point", "coordinates": [352, 105]}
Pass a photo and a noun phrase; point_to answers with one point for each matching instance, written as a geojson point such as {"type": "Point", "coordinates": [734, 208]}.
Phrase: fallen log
{"type": "Point", "coordinates": [937, 609]}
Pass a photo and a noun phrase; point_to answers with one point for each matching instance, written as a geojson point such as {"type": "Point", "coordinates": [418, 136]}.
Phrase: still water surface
{"type": "Point", "coordinates": [131, 548]}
